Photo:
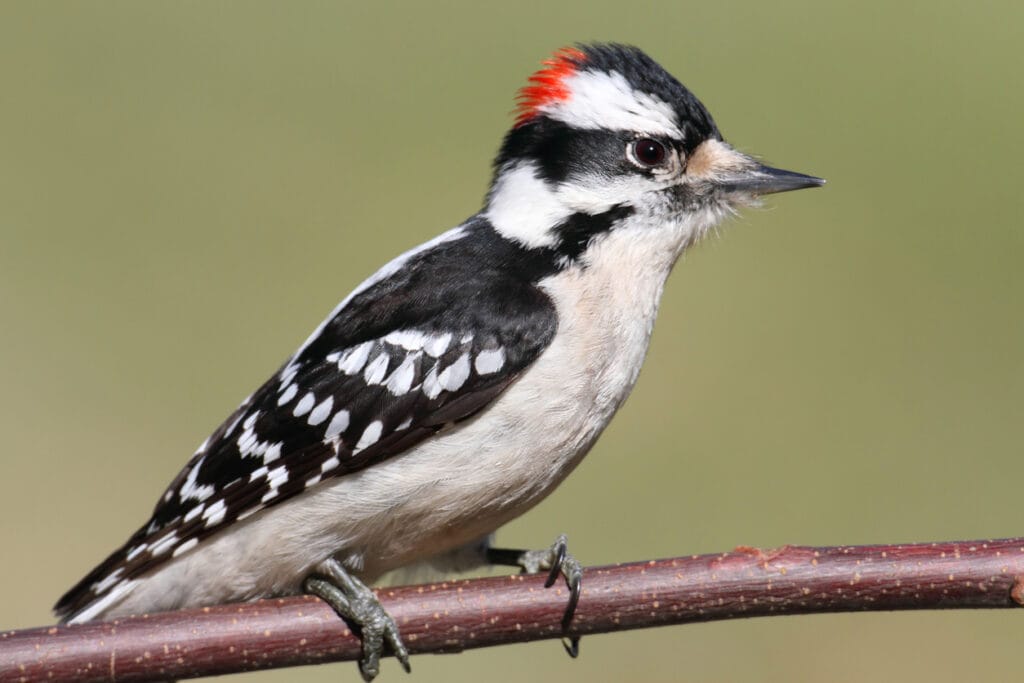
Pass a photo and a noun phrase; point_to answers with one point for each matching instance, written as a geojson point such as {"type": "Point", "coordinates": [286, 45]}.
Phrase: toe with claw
{"type": "Point", "coordinates": [358, 605]}
{"type": "Point", "coordinates": [557, 561]}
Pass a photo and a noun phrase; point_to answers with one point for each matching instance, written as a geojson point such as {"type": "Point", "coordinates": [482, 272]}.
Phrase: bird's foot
{"type": "Point", "coordinates": [557, 561]}
{"type": "Point", "coordinates": [358, 605]}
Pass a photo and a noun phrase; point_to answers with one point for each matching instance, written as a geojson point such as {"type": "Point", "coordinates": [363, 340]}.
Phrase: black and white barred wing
{"type": "Point", "coordinates": [323, 415]}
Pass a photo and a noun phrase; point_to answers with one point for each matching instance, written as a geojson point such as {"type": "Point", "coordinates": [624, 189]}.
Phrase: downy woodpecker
{"type": "Point", "coordinates": [463, 381]}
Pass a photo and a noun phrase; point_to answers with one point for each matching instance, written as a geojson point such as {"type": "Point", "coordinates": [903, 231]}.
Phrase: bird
{"type": "Point", "coordinates": [460, 384]}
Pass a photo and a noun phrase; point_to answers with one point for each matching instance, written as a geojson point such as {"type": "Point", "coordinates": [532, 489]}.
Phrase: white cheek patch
{"type": "Point", "coordinates": [522, 207]}
{"type": "Point", "coordinates": [606, 100]}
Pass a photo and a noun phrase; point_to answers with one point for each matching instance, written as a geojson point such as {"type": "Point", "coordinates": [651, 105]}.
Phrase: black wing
{"type": "Point", "coordinates": [418, 347]}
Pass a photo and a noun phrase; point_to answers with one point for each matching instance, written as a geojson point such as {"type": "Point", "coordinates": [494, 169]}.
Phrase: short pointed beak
{"type": "Point", "coordinates": [767, 180]}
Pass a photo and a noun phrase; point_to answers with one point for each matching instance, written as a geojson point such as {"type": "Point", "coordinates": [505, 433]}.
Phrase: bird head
{"type": "Point", "coordinates": [603, 135]}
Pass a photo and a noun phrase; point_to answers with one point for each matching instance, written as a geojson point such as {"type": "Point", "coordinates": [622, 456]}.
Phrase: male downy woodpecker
{"type": "Point", "coordinates": [459, 385]}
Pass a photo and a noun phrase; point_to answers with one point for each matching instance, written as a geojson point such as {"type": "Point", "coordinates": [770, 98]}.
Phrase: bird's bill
{"type": "Point", "coordinates": [762, 179]}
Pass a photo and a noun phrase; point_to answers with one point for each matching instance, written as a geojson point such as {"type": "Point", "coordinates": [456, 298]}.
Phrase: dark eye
{"type": "Point", "coordinates": [648, 152]}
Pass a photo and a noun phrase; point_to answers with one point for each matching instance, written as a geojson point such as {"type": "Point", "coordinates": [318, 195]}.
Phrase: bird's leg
{"type": "Point", "coordinates": [556, 560]}
{"type": "Point", "coordinates": [358, 605]}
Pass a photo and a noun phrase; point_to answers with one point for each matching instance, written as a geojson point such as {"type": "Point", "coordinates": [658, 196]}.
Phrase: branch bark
{"type": "Point", "coordinates": [457, 615]}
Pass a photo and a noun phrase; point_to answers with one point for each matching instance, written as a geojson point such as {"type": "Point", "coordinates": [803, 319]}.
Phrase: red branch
{"type": "Point", "coordinates": [457, 615]}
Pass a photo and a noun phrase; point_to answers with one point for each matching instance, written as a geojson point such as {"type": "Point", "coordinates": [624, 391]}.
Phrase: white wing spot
{"type": "Point", "coordinates": [370, 436]}
{"type": "Point", "coordinates": [189, 490]}
{"type": "Point", "coordinates": [185, 547]}
{"type": "Point", "coordinates": [134, 552]}
{"type": "Point", "coordinates": [273, 452]}
{"type": "Point", "coordinates": [287, 395]}
{"type": "Point", "coordinates": [305, 405]}
{"type": "Point", "coordinates": [313, 481]}
{"type": "Point", "coordinates": [353, 359]}
{"type": "Point", "coordinates": [405, 424]}
{"type": "Point", "coordinates": [288, 373]}
{"type": "Point", "coordinates": [489, 362]}
{"type": "Point", "coordinates": [377, 368]}
{"type": "Point", "coordinates": [401, 379]}
{"type": "Point", "coordinates": [321, 412]}
{"type": "Point", "coordinates": [165, 543]}
{"type": "Point", "coordinates": [437, 344]}
{"type": "Point", "coordinates": [410, 340]}
{"type": "Point", "coordinates": [193, 513]}
{"type": "Point", "coordinates": [269, 495]}
{"type": "Point", "coordinates": [329, 464]}
{"type": "Point", "coordinates": [214, 514]}
{"type": "Point", "coordinates": [455, 375]}
{"type": "Point", "coordinates": [108, 581]}
{"type": "Point", "coordinates": [97, 607]}
{"type": "Point", "coordinates": [466, 338]}
{"type": "Point", "coordinates": [277, 476]}
{"type": "Point", "coordinates": [338, 424]}
{"type": "Point", "coordinates": [257, 473]}
{"type": "Point", "coordinates": [232, 426]}
{"type": "Point", "coordinates": [431, 386]}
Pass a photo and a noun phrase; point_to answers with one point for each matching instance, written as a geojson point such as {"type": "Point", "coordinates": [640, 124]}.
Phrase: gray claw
{"type": "Point", "coordinates": [358, 605]}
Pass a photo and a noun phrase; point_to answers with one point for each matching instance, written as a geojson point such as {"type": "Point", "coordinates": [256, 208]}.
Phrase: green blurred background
{"type": "Point", "coordinates": [187, 188]}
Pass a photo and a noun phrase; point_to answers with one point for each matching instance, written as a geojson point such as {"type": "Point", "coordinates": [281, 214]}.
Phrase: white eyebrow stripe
{"type": "Point", "coordinates": [598, 99]}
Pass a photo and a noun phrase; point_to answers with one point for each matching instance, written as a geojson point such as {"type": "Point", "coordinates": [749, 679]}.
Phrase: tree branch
{"type": "Point", "coordinates": [457, 615]}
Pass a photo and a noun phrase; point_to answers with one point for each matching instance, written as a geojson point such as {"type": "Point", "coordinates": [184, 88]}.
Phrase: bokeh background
{"type": "Point", "coordinates": [187, 188]}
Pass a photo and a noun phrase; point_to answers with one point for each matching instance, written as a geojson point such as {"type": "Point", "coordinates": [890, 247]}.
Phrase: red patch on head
{"type": "Point", "coordinates": [548, 84]}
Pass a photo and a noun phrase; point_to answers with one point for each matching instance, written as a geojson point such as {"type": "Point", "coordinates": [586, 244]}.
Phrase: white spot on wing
{"type": "Point", "coordinates": [401, 379]}
{"type": "Point", "coordinates": [185, 547]}
{"type": "Point", "coordinates": [455, 375]}
{"type": "Point", "coordinates": [304, 405]}
{"type": "Point", "coordinates": [431, 386]}
{"type": "Point", "coordinates": [313, 481]}
{"type": "Point", "coordinates": [329, 464]}
{"type": "Point", "coordinates": [257, 473]}
{"type": "Point", "coordinates": [273, 452]}
{"type": "Point", "coordinates": [288, 373]}
{"type": "Point", "coordinates": [134, 552]}
{"type": "Point", "coordinates": [165, 543]}
{"type": "Point", "coordinates": [437, 344]}
{"type": "Point", "coordinates": [490, 361]}
{"type": "Point", "coordinates": [321, 412]}
{"type": "Point", "coordinates": [193, 513]}
{"type": "Point", "coordinates": [370, 435]}
{"type": "Point", "coordinates": [287, 395]}
{"type": "Point", "coordinates": [277, 476]}
{"type": "Point", "coordinates": [410, 340]}
{"type": "Point", "coordinates": [232, 426]}
{"type": "Point", "coordinates": [214, 514]}
{"type": "Point", "coordinates": [337, 425]}
{"type": "Point", "coordinates": [377, 368]}
{"type": "Point", "coordinates": [95, 609]}
{"type": "Point", "coordinates": [353, 360]}
{"type": "Point", "coordinates": [108, 581]}
{"type": "Point", "coordinates": [190, 490]}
